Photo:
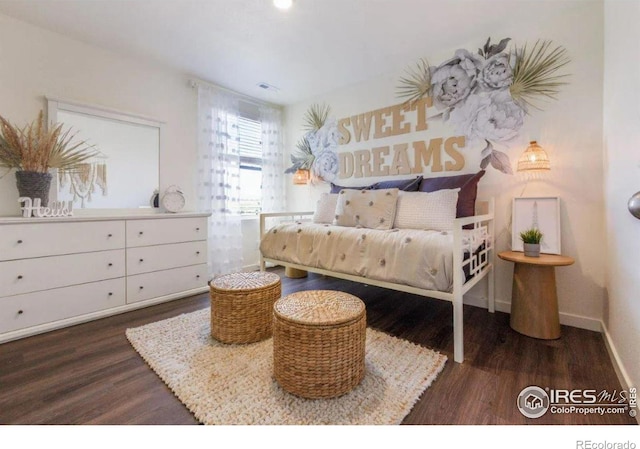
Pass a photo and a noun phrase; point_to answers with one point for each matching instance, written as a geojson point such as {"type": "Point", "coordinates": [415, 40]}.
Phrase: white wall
{"type": "Point", "coordinates": [36, 62]}
{"type": "Point", "coordinates": [622, 179]}
{"type": "Point", "coordinates": [570, 129]}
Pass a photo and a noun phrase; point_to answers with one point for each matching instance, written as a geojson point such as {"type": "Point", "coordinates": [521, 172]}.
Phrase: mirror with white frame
{"type": "Point", "coordinates": [125, 172]}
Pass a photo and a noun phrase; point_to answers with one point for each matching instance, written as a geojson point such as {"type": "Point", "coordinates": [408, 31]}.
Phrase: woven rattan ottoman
{"type": "Point", "coordinates": [242, 306]}
{"type": "Point", "coordinates": [319, 343]}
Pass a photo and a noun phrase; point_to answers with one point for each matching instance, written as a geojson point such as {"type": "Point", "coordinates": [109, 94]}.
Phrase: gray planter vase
{"type": "Point", "coordinates": [32, 184]}
{"type": "Point", "coordinates": [532, 249]}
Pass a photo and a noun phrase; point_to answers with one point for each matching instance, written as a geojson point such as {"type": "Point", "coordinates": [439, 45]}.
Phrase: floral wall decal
{"type": "Point", "coordinates": [317, 149]}
{"type": "Point", "coordinates": [486, 96]}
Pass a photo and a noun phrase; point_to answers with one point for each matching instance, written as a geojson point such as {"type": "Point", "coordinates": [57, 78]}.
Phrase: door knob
{"type": "Point", "coordinates": [634, 205]}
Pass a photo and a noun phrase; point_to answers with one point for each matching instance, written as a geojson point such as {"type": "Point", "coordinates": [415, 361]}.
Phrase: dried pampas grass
{"type": "Point", "coordinates": [36, 148]}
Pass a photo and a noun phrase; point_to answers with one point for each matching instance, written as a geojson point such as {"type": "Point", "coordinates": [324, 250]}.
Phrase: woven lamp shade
{"type": "Point", "coordinates": [301, 176]}
{"type": "Point", "coordinates": [534, 158]}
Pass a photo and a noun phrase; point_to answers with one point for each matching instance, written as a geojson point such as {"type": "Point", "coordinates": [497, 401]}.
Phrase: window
{"type": "Point", "coordinates": [250, 149]}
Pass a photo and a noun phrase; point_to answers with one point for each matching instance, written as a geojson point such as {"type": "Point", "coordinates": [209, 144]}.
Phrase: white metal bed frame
{"type": "Point", "coordinates": [480, 264]}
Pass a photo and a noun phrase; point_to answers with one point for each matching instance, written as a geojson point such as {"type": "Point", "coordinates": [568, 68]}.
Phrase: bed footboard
{"type": "Point", "coordinates": [293, 216]}
{"type": "Point", "coordinates": [479, 264]}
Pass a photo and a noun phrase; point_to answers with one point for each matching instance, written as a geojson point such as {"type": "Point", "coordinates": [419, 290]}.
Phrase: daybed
{"type": "Point", "coordinates": [418, 236]}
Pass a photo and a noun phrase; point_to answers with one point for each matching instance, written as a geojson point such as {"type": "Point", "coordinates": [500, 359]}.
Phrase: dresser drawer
{"type": "Point", "coordinates": [165, 282]}
{"type": "Point", "coordinates": [20, 241]}
{"type": "Point", "coordinates": [22, 311]}
{"type": "Point", "coordinates": [30, 275]}
{"type": "Point", "coordinates": [165, 230]}
{"type": "Point", "coordinates": [145, 259]}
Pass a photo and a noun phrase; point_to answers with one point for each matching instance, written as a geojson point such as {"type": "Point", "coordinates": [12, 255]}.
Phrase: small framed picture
{"type": "Point", "coordinates": [542, 213]}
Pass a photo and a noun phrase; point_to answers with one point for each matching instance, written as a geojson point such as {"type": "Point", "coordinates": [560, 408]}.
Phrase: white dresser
{"type": "Point", "coordinates": [61, 271]}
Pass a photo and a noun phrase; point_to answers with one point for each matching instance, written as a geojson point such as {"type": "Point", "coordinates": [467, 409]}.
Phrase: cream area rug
{"type": "Point", "coordinates": [233, 384]}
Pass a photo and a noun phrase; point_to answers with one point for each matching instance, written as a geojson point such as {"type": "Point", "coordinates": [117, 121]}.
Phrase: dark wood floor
{"type": "Point", "coordinates": [89, 374]}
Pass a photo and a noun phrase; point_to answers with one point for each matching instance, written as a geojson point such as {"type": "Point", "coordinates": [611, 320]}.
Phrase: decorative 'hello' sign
{"type": "Point", "coordinates": [34, 208]}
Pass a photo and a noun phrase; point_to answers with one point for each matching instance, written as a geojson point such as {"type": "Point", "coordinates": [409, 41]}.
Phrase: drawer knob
{"type": "Point", "coordinates": [198, 252]}
{"type": "Point", "coordinates": [110, 293]}
{"type": "Point", "coordinates": [20, 312]}
{"type": "Point", "coordinates": [19, 276]}
{"type": "Point", "coordinates": [197, 276]}
{"type": "Point", "coordinates": [140, 233]}
{"type": "Point", "coordinates": [110, 235]}
{"type": "Point", "coordinates": [141, 287]}
{"type": "Point", "coordinates": [197, 229]}
{"type": "Point", "coordinates": [110, 264]}
{"type": "Point", "coordinates": [141, 260]}
{"type": "Point", "coordinates": [19, 241]}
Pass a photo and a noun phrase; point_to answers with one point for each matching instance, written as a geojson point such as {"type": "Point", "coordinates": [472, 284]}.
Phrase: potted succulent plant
{"type": "Point", "coordinates": [36, 148]}
{"type": "Point", "coordinates": [531, 239]}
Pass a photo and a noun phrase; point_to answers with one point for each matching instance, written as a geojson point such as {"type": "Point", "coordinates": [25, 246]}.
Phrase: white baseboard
{"type": "Point", "coordinates": [582, 322]}
{"type": "Point", "coordinates": [568, 319]}
{"type": "Point", "coordinates": [256, 267]}
{"type": "Point", "coordinates": [618, 366]}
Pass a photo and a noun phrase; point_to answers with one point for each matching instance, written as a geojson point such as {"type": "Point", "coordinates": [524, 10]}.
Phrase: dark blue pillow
{"type": "Point", "coordinates": [336, 188]}
{"type": "Point", "coordinates": [407, 185]}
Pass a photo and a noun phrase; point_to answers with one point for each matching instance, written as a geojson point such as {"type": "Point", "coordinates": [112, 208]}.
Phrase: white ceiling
{"type": "Point", "coordinates": [313, 48]}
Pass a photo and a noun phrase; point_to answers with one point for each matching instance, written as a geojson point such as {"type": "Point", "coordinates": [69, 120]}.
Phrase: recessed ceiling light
{"type": "Point", "coordinates": [283, 4]}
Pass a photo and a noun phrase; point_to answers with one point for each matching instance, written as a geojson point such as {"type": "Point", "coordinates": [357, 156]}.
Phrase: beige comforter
{"type": "Point", "coordinates": [418, 258]}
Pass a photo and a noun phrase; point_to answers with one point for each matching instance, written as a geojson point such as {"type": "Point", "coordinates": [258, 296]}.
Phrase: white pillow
{"type": "Point", "coordinates": [373, 209]}
{"type": "Point", "coordinates": [326, 208]}
{"type": "Point", "coordinates": [427, 210]}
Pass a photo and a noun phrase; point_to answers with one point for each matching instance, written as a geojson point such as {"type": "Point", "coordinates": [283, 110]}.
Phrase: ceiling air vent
{"type": "Point", "coordinates": [267, 86]}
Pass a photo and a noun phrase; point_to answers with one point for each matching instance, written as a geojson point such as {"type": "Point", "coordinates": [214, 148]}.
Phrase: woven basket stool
{"type": "Point", "coordinates": [319, 343]}
{"type": "Point", "coordinates": [242, 306]}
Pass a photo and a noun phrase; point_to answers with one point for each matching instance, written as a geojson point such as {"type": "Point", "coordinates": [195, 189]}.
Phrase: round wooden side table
{"type": "Point", "coordinates": [534, 302]}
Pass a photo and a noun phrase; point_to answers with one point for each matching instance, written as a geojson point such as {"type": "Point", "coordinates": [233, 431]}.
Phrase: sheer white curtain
{"type": "Point", "coordinates": [273, 179]}
{"type": "Point", "coordinates": [219, 177]}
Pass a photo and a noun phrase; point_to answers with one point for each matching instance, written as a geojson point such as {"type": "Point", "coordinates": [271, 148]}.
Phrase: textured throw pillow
{"type": "Point", "coordinates": [336, 188]}
{"type": "Point", "coordinates": [407, 185]}
{"type": "Point", "coordinates": [468, 185]}
{"type": "Point", "coordinates": [326, 208]}
{"type": "Point", "coordinates": [373, 209]}
{"type": "Point", "coordinates": [423, 210]}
